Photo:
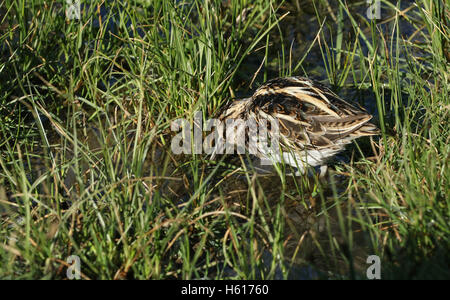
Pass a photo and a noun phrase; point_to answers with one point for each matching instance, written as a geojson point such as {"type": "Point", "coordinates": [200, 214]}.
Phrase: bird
{"type": "Point", "coordinates": [313, 123]}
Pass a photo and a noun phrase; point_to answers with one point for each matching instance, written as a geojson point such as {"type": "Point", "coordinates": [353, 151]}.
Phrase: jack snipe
{"type": "Point", "coordinates": [314, 123]}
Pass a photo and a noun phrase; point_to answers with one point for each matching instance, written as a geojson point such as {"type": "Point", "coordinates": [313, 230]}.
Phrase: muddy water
{"type": "Point", "coordinates": [306, 225]}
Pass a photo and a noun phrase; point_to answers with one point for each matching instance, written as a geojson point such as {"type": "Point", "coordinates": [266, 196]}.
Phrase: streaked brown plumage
{"type": "Point", "coordinates": [314, 123]}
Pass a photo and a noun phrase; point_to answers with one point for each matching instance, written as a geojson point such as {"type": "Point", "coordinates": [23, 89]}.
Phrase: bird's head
{"type": "Point", "coordinates": [235, 109]}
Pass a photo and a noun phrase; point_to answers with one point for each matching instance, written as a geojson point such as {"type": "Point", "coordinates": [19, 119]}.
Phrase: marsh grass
{"type": "Point", "coordinates": [86, 167]}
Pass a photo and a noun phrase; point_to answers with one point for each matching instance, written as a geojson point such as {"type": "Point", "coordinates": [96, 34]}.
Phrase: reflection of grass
{"type": "Point", "coordinates": [85, 109]}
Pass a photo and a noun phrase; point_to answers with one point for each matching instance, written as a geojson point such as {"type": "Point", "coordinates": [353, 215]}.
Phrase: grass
{"type": "Point", "coordinates": [86, 167]}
